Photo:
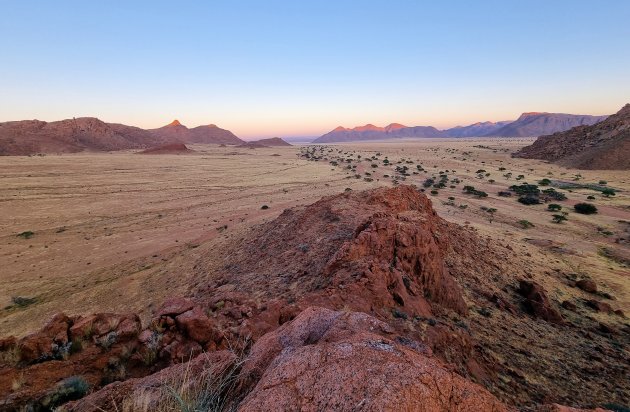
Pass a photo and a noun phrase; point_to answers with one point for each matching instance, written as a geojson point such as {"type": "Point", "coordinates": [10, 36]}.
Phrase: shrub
{"type": "Point", "coordinates": [554, 207]}
{"type": "Point", "coordinates": [590, 197]}
{"type": "Point", "coordinates": [585, 208]}
{"type": "Point", "coordinates": [26, 235]}
{"type": "Point", "coordinates": [544, 182]}
{"type": "Point", "coordinates": [525, 224]}
{"type": "Point", "coordinates": [608, 192]}
{"type": "Point", "coordinates": [529, 200]}
{"type": "Point", "coordinates": [559, 218]}
{"type": "Point", "coordinates": [428, 183]}
{"type": "Point", "coordinates": [264, 207]}
{"type": "Point", "coordinates": [74, 387]}
{"type": "Point", "coordinates": [505, 194]}
{"type": "Point", "coordinates": [525, 189]}
{"type": "Point", "coordinates": [551, 193]}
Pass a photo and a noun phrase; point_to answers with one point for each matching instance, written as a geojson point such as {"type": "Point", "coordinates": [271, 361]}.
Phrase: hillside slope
{"type": "Point", "coordinates": [605, 145]}
{"type": "Point", "coordinates": [71, 135]}
{"type": "Point", "coordinates": [538, 124]}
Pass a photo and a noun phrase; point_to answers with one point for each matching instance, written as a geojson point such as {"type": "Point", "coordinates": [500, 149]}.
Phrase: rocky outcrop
{"type": "Point", "coordinates": [604, 145]}
{"type": "Point", "coordinates": [321, 360]}
{"type": "Point", "coordinates": [327, 360]}
{"type": "Point", "coordinates": [171, 148]}
{"type": "Point", "coordinates": [537, 303]}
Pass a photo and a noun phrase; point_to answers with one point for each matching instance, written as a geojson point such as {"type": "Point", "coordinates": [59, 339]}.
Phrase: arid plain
{"type": "Point", "coordinates": [115, 231]}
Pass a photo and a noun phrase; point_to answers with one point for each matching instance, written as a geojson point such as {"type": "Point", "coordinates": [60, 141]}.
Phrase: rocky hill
{"type": "Point", "coordinates": [362, 298]}
{"type": "Point", "coordinates": [371, 132]}
{"type": "Point", "coordinates": [91, 134]}
{"type": "Point", "coordinates": [538, 124]}
{"type": "Point", "coordinates": [476, 129]}
{"type": "Point", "coordinates": [71, 135]}
{"type": "Point", "coordinates": [272, 142]}
{"type": "Point", "coordinates": [605, 145]}
{"type": "Point", "coordinates": [210, 134]}
{"type": "Point", "coordinates": [171, 148]}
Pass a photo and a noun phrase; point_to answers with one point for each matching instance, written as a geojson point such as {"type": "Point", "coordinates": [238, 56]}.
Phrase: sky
{"type": "Point", "coordinates": [300, 68]}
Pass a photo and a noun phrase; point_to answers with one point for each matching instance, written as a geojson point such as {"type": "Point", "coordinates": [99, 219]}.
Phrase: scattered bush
{"type": "Point", "coordinates": [585, 208]}
{"type": "Point", "coordinates": [529, 200]}
{"type": "Point", "coordinates": [264, 207]}
{"type": "Point", "coordinates": [553, 207]}
{"type": "Point", "coordinates": [544, 182]}
{"type": "Point", "coordinates": [608, 192]}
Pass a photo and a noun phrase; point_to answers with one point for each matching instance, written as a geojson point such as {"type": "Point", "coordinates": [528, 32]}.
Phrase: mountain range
{"type": "Point", "coordinates": [528, 124]}
{"type": "Point", "coordinates": [604, 145]}
{"type": "Point", "coordinates": [88, 133]}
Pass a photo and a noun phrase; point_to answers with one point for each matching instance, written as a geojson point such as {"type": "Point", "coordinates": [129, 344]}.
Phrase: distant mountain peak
{"type": "Point", "coordinates": [395, 126]}
{"type": "Point", "coordinates": [175, 123]}
{"type": "Point", "coordinates": [367, 127]}
{"type": "Point", "coordinates": [340, 129]}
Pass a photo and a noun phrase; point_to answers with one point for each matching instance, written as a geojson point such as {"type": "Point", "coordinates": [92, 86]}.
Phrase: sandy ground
{"type": "Point", "coordinates": [121, 231]}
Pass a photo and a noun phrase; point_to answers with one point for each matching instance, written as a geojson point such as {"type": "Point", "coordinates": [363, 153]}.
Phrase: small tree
{"type": "Point", "coordinates": [554, 207]}
{"type": "Point", "coordinates": [608, 192]}
{"type": "Point", "coordinates": [559, 218]}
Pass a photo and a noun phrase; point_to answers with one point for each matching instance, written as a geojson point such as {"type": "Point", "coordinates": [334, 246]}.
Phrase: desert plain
{"type": "Point", "coordinates": [121, 231]}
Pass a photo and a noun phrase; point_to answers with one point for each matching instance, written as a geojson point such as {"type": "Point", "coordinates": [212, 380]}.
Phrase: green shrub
{"type": "Point", "coordinates": [554, 207]}
{"type": "Point", "coordinates": [585, 208]}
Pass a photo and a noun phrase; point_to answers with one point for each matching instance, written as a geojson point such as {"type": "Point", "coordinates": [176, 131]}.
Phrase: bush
{"type": "Point", "coordinates": [551, 193]}
{"type": "Point", "coordinates": [525, 189]}
{"type": "Point", "coordinates": [529, 200]}
{"type": "Point", "coordinates": [590, 197]}
{"type": "Point", "coordinates": [608, 192]}
{"type": "Point", "coordinates": [26, 235]}
{"type": "Point", "coordinates": [554, 207]}
{"type": "Point", "coordinates": [559, 218]}
{"type": "Point", "coordinates": [585, 208]}
{"type": "Point", "coordinates": [264, 207]}
{"type": "Point", "coordinates": [525, 224]}
{"type": "Point", "coordinates": [544, 182]}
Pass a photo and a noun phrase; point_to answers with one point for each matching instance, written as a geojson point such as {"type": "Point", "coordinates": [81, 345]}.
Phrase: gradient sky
{"type": "Point", "coordinates": [290, 68]}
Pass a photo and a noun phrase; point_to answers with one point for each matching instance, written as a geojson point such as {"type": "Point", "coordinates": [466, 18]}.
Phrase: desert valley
{"type": "Point", "coordinates": [467, 259]}
{"type": "Point", "coordinates": [315, 206]}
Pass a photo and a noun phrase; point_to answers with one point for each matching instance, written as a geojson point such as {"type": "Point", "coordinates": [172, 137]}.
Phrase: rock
{"type": "Point", "coordinates": [149, 393]}
{"type": "Point", "coordinates": [599, 306]}
{"type": "Point", "coordinates": [48, 343]}
{"type": "Point", "coordinates": [607, 329]}
{"type": "Point", "coordinates": [126, 326]}
{"type": "Point", "coordinates": [587, 285]}
{"type": "Point", "coordinates": [619, 312]}
{"type": "Point", "coordinates": [7, 343]}
{"type": "Point", "coordinates": [327, 360]}
{"type": "Point", "coordinates": [537, 303]}
{"type": "Point", "coordinates": [196, 324]}
{"type": "Point", "coordinates": [175, 306]}
{"type": "Point", "coordinates": [568, 305]}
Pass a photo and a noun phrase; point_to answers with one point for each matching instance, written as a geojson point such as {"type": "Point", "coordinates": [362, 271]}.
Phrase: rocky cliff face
{"type": "Point", "coordinates": [605, 145]}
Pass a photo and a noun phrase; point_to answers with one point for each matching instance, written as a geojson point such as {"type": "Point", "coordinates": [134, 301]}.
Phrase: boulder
{"type": "Point", "coordinates": [537, 303]}
{"type": "Point", "coordinates": [49, 342]}
{"type": "Point", "coordinates": [198, 326]}
{"type": "Point", "coordinates": [174, 307]}
{"type": "Point", "coordinates": [587, 285]}
{"type": "Point", "coordinates": [599, 306]}
{"type": "Point", "coordinates": [347, 361]}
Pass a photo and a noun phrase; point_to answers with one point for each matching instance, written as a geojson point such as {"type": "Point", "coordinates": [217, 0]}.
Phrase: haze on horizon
{"type": "Point", "coordinates": [281, 68]}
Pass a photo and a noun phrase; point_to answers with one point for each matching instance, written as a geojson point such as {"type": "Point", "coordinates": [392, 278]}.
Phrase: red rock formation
{"type": "Point", "coordinates": [537, 303]}
{"type": "Point", "coordinates": [171, 148]}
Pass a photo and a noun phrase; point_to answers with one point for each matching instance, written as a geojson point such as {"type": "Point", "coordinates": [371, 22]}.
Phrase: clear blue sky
{"type": "Point", "coordinates": [264, 68]}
